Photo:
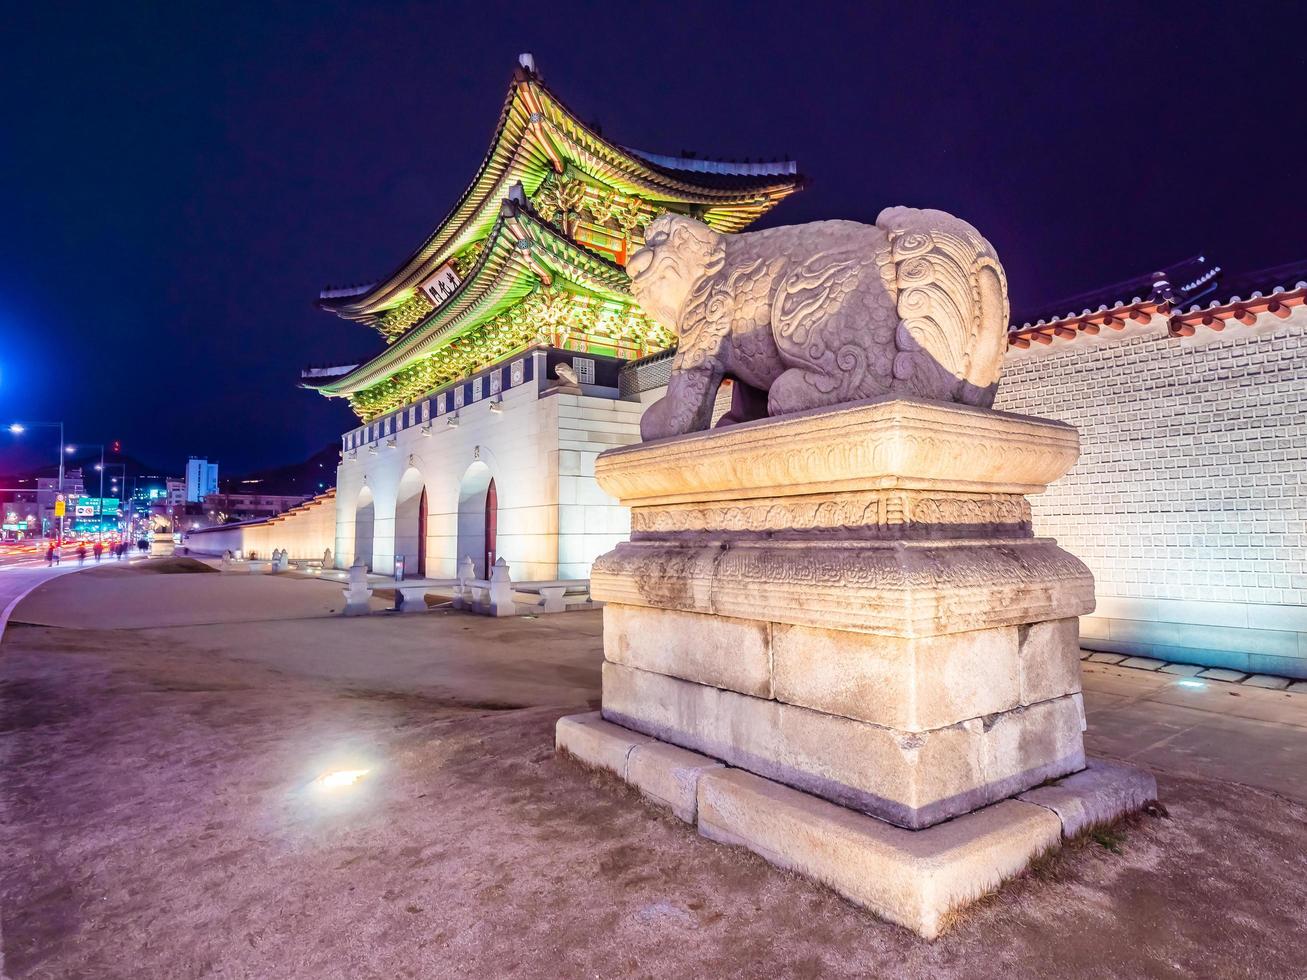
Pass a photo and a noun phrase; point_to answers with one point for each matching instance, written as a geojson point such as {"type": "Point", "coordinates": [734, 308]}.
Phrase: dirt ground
{"type": "Point", "coordinates": [159, 819]}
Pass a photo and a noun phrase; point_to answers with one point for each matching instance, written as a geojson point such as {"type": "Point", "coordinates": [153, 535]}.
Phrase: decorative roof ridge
{"type": "Point", "coordinates": [772, 168]}
{"type": "Point", "coordinates": [326, 370]}
{"type": "Point", "coordinates": [634, 156]}
{"type": "Point", "coordinates": [345, 292]}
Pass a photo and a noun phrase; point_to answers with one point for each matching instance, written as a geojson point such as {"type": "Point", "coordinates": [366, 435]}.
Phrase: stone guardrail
{"type": "Point", "coordinates": [497, 595]}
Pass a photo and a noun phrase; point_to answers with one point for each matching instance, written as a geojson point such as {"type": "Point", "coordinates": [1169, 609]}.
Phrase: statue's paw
{"type": "Point", "coordinates": [653, 424]}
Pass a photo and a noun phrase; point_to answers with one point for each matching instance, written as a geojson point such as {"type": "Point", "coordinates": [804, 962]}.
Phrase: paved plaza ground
{"type": "Point", "coordinates": [159, 734]}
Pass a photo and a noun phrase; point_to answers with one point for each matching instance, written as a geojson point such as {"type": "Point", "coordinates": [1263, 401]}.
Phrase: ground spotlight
{"type": "Point", "coordinates": [340, 778]}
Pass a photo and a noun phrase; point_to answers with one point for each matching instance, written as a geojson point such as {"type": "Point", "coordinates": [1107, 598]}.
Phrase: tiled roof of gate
{"type": "Point", "coordinates": [537, 134]}
{"type": "Point", "coordinates": [520, 245]}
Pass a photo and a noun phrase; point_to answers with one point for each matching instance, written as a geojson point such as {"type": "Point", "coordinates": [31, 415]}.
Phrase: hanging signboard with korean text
{"type": "Point", "coordinates": [442, 284]}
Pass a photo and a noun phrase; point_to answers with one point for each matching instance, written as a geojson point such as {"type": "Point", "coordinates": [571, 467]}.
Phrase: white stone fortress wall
{"type": "Point", "coordinates": [514, 423]}
{"type": "Point", "coordinates": [303, 532]}
{"type": "Point", "coordinates": [1189, 502]}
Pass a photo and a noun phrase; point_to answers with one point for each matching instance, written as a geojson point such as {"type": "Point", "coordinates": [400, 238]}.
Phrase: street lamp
{"type": "Point", "coordinates": [18, 428]}
{"type": "Point", "coordinates": [99, 534]}
{"type": "Point", "coordinates": [117, 489]}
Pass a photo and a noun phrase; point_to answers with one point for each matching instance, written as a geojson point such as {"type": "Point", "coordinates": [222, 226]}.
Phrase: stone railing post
{"type": "Point", "coordinates": [358, 593]}
{"type": "Point", "coordinates": [463, 590]}
{"type": "Point", "coordinates": [501, 590]}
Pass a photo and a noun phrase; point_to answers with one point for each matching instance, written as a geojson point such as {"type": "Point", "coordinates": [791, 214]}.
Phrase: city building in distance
{"type": "Point", "coordinates": [201, 479]}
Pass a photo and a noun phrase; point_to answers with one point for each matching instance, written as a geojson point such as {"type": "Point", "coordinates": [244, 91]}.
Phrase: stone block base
{"type": "Point", "coordinates": [916, 878]}
{"type": "Point", "coordinates": [912, 779]}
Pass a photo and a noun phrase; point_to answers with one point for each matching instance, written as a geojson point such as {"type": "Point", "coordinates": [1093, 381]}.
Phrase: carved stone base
{"type": "Point", "coordinates": [912, 779]}
{"type": "Point", "coordinates": [916, 878]}
{"type": "Point", "coordinates": [851, 602]}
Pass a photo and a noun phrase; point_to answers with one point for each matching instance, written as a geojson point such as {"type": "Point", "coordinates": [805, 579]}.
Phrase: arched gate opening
{"type": "Point", "coordinates": [478, 512]}
{"type": "Point", "coordinates": [365, 519]}
{"type": "Point", "coordinates": [411, 524]}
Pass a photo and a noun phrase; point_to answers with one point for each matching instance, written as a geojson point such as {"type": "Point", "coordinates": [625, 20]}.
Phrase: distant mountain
{"type": "Point", "coordinates": [310, 477]}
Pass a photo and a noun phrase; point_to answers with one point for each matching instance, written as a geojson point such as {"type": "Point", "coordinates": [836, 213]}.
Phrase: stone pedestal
{"type": "Point", "coordinates": [357, 594]}
{"type": "Point", "coordinates": [851, 602]}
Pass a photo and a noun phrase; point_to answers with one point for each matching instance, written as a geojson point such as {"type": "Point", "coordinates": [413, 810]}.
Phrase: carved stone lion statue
{"type": "Point", "coordinates": [810, 316]}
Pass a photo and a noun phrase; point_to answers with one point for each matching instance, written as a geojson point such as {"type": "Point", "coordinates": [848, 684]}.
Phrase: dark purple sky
{"type": "Point", "coordinates": [176, 185]}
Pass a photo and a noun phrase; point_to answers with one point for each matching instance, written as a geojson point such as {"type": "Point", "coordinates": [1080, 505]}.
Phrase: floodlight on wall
{"type": "Point", "coordinates": [390, 443]}
{"type": "Point", "coordinates": [497, 404]}
{"type": "Point", "coordinates": [452, 420]}
{"type": "Point", "coordinates": [426, 430]}
{"type": "Point", "coordinates": [372, 450]}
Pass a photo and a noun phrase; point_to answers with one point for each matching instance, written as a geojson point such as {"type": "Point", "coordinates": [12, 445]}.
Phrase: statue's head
{"type": "Point", "coordinates": [678, 253]}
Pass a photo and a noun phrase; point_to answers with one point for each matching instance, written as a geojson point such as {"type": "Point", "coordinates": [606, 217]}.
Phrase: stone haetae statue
{"type": "Point", "coordinates": [811, 316]}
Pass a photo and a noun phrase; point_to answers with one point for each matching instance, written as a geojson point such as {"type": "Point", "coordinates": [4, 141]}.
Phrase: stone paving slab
{"type": "Point", "coordinates": [1143, 663]}
{"type": "Point", "coordinates": [1267, 681]}
{"type": "Point", "coordinates": [1182, 670]}
{"type": "Point", "coordinates": [1298, 687]}
{"type": "Point", "coordinates": [1222, 674]}
{"type": "Point", "coordinates": [1105, 658]}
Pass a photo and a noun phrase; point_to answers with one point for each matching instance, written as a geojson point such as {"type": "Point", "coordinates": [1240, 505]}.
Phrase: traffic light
{"type": "Point", "coordinates": [117, 446]}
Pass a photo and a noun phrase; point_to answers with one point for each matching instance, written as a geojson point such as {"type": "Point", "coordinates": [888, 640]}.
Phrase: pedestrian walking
{"type": "Point", "coordinates": [49, 555]}
{"type": "Point", "coordinates": [81, 554]}
{"type": "Point", "coordinates": [99, 550]}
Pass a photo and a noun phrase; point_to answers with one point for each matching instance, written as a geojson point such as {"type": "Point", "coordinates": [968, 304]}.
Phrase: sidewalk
{"type": "Point", "coordinates": [1196, 727]}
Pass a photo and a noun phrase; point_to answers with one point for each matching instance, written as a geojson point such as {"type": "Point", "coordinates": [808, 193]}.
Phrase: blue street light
{"type": "Point", "coordinates": [18, 428]}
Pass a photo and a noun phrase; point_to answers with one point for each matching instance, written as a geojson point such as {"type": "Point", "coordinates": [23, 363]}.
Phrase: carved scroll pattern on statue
{"type": "Point", "coordinates": [838, 332]}
{"type": "Point", "coordinates": [735, 306]}
{"type": "Point", "coordinates": [845, 511]}
{"type": "Point", "coordinates": [951, 297]}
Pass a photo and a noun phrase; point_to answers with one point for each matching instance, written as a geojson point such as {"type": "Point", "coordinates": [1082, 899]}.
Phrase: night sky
{"type": "Point", "coordinates": [178, 181]}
